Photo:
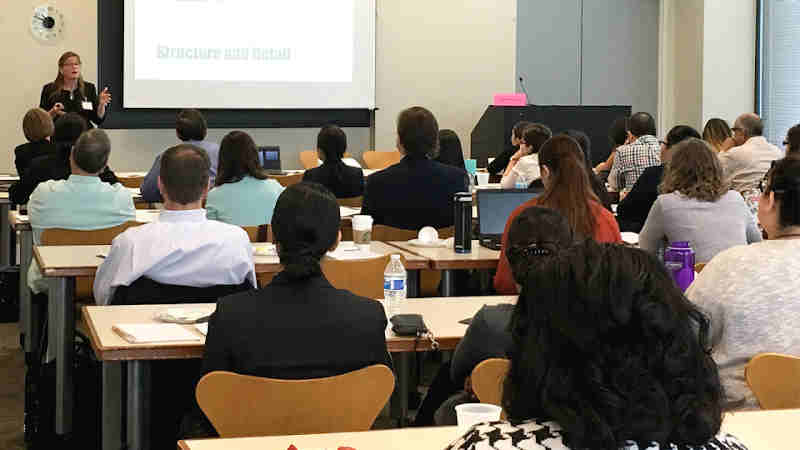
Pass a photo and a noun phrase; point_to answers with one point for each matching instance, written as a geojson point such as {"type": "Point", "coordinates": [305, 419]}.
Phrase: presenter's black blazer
{"type": "Point", "coordinates": [413, 193]}
{"type": "Point", "coordinates": [73, 102]}
{"type": "Point", "coordinates": [27, 152]}
{"type": "Point", "coordinates": [343, 180]}
{"type": "Point", "coordinates": [296, 330]}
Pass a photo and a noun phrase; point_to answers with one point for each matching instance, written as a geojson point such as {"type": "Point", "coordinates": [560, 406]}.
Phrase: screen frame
{"type": "Point", "coordinates": [489, 192]}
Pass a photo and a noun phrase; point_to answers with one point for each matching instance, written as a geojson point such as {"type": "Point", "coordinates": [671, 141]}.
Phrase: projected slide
{"type": "Point", "coordinates": [249, 53]}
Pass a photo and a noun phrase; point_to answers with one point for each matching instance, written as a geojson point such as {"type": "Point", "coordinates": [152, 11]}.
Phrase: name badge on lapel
{"type": "Point", "coordinates": [87, 106]}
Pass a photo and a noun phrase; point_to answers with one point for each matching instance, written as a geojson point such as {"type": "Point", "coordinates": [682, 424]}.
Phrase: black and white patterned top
{"type": "Point", "coordinates": [531, 435]}
{"type": "Point", "coordinates": [632, 159]}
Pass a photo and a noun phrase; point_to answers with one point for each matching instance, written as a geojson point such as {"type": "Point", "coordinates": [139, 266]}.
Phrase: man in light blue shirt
{"type": "Point", "coordinates": [82, 201]}
{"type": "Point", "coordinates": [191, 128]}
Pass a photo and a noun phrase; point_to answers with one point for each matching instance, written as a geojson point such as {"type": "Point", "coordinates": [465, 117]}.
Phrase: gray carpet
{"type": "Point", "coordinates": [12, 388]}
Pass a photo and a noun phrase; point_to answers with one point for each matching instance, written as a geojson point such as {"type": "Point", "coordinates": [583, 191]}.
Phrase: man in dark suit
{"type": "Point", "coordinates": [417, 191]}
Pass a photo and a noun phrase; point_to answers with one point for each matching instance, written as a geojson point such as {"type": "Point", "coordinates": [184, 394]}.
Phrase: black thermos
{"type": "Point", "coordinates": [462, 210]}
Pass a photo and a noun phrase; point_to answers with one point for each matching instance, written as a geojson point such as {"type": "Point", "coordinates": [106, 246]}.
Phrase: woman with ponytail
{"type": "Point", "coordinates": [341, 179]}
{"type": "Point", "coordinates": [298, 326]}
{"type": "Point", "coordinates": [568, 191]}
{"type": "Point", "coordinates": [750, 291]}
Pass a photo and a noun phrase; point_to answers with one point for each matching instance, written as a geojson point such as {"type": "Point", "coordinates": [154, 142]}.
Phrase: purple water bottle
{"type": "Point", "coordinates": [679, 259]}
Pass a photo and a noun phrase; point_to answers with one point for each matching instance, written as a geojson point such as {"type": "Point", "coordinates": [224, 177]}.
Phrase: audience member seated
{"type": "Point", "coordinates": [718, 135]}
{"type": "Point", "coordinates": [606, 353]}
{"type": "Point", "coordinates": [38, 128]}
{"type": "Point", "coordinates": [632, 210]}
{"type": "Point", "coordinates": [568, 191]}
{"type": "Point", "coordinates": [535, 233]}
{"type": "Point", "coordinates": [641, 151]}
{"type": "Point", "coordinates": [182, 247]}
{"type": "Point", "coordinates": [792, 141]}
{"type": "Point", "coordinates": [747, 162]}
{"type": "Point", "coordinates": [598, 187]}
{"type": "Point", "coordinates": [343, 180]}
{"type": "Point", "coordinates": [191, 128]}
{"type": "Point", "coordinates": [450, 152]}
{"type": "Point", "coordinates": [750, 291]}
{"type": "Point", "coordinates": [244, 195]}
{"type": "Point", "coordinates": [524, 164]}
{"type": "Point", "coordinates": [499, 164]}
{"type": "Point", "coordinates": [417, 191]}
{"type": "Point", "coordinates": [82, 201]}
{"type": "Point", "coordinates": [695, 205]}
{"type": "Point", "coordinates": [55, 166]}
{"type": "Point", "coordinates": [617, 136]}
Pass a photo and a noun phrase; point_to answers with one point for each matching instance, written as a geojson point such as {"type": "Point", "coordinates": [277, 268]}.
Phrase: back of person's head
{"type": "Point", "coordinates": [450, 151]}
{"type": "Point", "coordinates": [618, 132]}
{"type": "Point", "coordinates": [519, 128]}
{"type": "Point", "coordinates": [642, 124]}
{"type": "Point", "coordinates": [606, 345]}
{"type": "Point", "coordinates": [694, 171]}
{"type": "Point", "coordinates": [716, 131]}
{"type": "Point", "coordinates": [184, 173]}
{"type": "Point", "coordinates": [792, 142]}
{"type": "Point", "coordinates": [238, 157]}
{"type": "Point", "coordinates": [417, 132]}
{"type": "Point", "coordinates": [680, 133]}
{"type": "Point", "coordinates": [568, 189]}
{"type": "Point", "coordinates": [191, 125]}
{"type": "Point", "coordinates": [332, 143]}
{"type": "Point", "coordinates": [784, 181]}
{"type": "Point", "coordinates": [91, 151]}
{"type": "Point", "coordinates": [583, 140]}
{"type": "Point", "coordinates": [534, 233]}
{"type": "Point", "coordinates": [68, 128]}
{"type": "Point", "coordinates": [535, 135]}
{"type": "Point", "coordinates": [37, 125]}
{"type": "Point", "coordinates": [305, 225]}
{"type": "Point", "coordinates": [750, 124]}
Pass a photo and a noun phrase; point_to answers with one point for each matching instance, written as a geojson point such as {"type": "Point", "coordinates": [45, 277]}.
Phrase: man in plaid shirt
{"type": "Point", "coordinates": [642, 151]}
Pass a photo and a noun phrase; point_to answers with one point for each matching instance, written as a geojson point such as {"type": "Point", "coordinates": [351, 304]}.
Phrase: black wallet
{"type": "Point", "coordinates": [408, 325]}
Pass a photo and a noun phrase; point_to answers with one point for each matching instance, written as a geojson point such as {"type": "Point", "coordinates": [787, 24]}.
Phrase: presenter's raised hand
{"type": "Point", "coordinates": [105, 97]}
{"type": "Point", "coordinates": [57, 110]}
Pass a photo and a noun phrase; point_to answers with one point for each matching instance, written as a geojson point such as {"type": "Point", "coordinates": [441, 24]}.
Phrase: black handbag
{"type": "Point", "coordinates": [412, 325]}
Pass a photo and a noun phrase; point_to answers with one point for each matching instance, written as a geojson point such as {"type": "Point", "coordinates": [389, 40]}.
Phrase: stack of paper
{"type": "Point", "coordinates": [142, 333]}
{"type": "Point", "coordinates": [345, 211]}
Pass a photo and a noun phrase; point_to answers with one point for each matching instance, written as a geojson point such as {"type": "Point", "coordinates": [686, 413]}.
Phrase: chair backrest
{"type": "Point", "coordinates": [381, 160]}
{"type": "Point", "coordinates": [259, 233]}
{"type": "Point", "coordinates": [309, 159]}
{"type": "Point", "coordinates": [131, 182]}
{"type": "Point", "coordinates": [145, 291]}
{"type": "Point", "coordinates": [487, 380]}
{"type": "Point", "coordinates": [362, 277]}
{"type": "Point", "coordinates": [287, 180]}
{"type": "Point", "coordinates": [385, 233]}
{"type": "Point", "coordinates": [242, 405]}
{"type": "Point", "coordinates": [775, 380]}
{"type": "Point", "coordinates": [353, 202]}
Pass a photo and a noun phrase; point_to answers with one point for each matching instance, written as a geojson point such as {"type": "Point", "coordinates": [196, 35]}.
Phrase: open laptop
{"type": "Point", "coordinates": [270, 158]}
{"type": "Point", "coordinates": [494, 207]}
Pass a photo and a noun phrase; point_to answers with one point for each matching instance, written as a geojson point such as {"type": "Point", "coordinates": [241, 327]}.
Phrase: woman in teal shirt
{"type": "Point", "coordinates": [243, 194]}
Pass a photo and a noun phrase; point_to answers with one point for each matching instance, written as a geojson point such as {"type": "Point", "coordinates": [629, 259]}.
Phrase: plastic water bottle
{"type": "Point", "coordinates": [679, 259]}
{"type": "Point", "coordinates": [394, 285]}
{"type": "Point", "coordinates": [522, 182]}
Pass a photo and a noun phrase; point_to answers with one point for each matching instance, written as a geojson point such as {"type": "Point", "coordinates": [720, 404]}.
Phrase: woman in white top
{"type": "Point", "coordinates": [524, 165]}
{"type": "Point", "coordinates": [696, 205]}
{"type": "Point", "coordinates": [750, 291]}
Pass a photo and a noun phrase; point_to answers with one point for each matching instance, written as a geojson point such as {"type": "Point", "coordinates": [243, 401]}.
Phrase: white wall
{"type": "Point", "coordinates": [448, 55]}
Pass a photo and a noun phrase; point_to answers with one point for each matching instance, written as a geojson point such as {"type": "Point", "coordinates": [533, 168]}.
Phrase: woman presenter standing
{"type": "Point", "coordinates": [70, 93]}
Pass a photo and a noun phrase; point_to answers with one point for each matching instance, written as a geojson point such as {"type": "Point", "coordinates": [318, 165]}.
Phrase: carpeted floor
{"type": "Point", "coordinates": [12, 388]}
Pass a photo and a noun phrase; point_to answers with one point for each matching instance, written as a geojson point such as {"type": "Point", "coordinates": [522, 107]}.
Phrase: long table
{"type": "Point", "coordinates": [441, 315]}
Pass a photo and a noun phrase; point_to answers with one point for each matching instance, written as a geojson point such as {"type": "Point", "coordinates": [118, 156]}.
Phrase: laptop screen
{"type": "Point", "coordinates": [495, 205]}
{"type": "Point", "coordinates": [270, 157]}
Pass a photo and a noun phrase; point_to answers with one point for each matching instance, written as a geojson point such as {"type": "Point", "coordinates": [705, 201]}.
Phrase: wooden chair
{"type": "Point", "coordinates": [287, 180]}
{"type": "Point", "coordinates": [131, 182]}
{"type": "Point", "coordinates": [259, 233]}
{"type": "Point", "coordinates": [699, 267]}
{"type": "Point", "coordinates": [309, 159]}
{"type": "Point", "coordinates": [381, 160]}
{"type": "Point", "coordinates": [775, 380]}
{"type": "Point", "coordinates": [62, 236]}
{"type": "Point", "coordinates": [428, 279]}
{"type": "Point", "coordinates": [242, 405]}
{"type": "Point", "coordinates": [362, 277]}
{"type": "Point", "coordinates": [487, 380]}
{"type": "Point", "coordinates": [353, 202]}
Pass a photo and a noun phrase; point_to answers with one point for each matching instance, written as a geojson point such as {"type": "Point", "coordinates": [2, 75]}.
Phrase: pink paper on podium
{"type": "Point", "coordinates": [510, 100]}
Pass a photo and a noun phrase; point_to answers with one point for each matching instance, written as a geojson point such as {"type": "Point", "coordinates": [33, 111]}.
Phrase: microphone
{"type": "Point", "coordinates": [522, 85]}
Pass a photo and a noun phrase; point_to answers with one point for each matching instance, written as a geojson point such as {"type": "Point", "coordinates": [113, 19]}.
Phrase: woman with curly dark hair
{"type": "Point", "coordinates": [607, 354]}
{"type": "Point", "coordinates": [696, 205]}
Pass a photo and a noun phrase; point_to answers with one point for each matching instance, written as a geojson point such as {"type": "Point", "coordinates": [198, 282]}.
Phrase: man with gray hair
{"type": "Point", "coordinates": [746, 163]}
{"type": "Point", "coordinates": [82, 201]}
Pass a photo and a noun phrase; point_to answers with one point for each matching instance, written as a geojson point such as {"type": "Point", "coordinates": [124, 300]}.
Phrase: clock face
{"type": "Point", "coordinates": [47, 22]}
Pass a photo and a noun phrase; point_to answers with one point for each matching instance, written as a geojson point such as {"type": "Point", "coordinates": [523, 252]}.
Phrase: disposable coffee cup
{"type": "Point", "coordinates": [469, 414]}
{"type": "Point", "coordinates": [362, 230]}
{"type": "Point", "coordinates": [483, 178]}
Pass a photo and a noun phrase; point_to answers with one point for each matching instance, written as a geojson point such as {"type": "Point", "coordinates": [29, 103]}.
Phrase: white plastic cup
{"type": "Point", "coordinates": [483, 178]}
{"type": "Point", "coordinates": [362, 230]}
{"type": "Point", "coordinates": [468, 414]}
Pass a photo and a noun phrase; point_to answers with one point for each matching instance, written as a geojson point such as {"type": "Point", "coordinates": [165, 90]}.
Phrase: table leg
{"type": "Point", "coordinates": [448, 283]}
{"type": "Point", "coordinates": [112, 405]}
{"type": "Point", "coordinates": [62, 329]}
{"type": "Point", "coordinates": [413, 283]}
{"type": "Point", "coordinates": [402, 365]}
{"type": "Point", "coordinates": [25, 307]}
{"type": "Point", "coordinates": [138, 405]}
{"type": "Point", "coordinates": [6, 259]}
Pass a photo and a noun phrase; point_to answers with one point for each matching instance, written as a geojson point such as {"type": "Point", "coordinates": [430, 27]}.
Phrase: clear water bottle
{"type": "Point", "coordinates": [394, 285]}
{"type": "Point", "coordinates": [522, 182]}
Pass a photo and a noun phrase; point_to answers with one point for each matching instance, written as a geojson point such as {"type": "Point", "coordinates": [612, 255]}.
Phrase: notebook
{"type": "Point", "coordinates": [143, 333]}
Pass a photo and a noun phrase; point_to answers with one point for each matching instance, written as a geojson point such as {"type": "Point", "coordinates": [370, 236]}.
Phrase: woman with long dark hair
{"type": "Point", "coordinates": [243, 194]}
{"type": "Point", "coordinates": [343, 180]}
{"type": "Point", "coordinates": [70, 93]}
{"type": "Point", "coordinates": [606, 354]}
{"type": "Point", "coordinates": [450, 151]}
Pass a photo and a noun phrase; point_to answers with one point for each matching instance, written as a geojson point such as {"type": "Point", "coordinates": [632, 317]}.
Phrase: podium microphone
{"type": "Point", "coordinates": [522, 85]}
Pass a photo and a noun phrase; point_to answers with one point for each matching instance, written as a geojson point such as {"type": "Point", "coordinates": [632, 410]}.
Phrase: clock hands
{"type": "Point", "coordinates": [47, 22]}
